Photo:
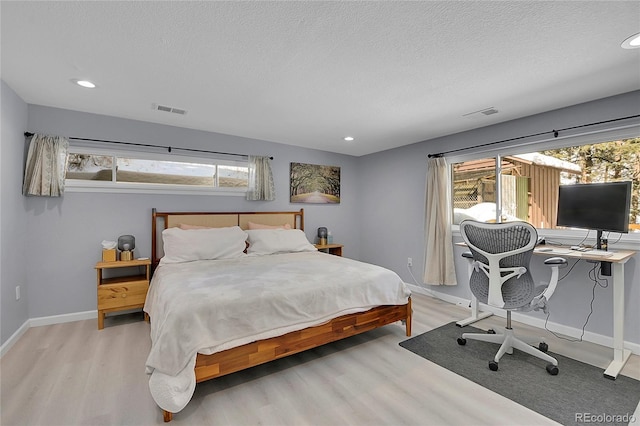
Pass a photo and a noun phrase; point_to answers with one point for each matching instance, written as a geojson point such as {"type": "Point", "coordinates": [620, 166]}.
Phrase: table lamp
{"type": "Point", "coordinates": [322, 235]}
{"type": "Point", "coordinates": [126, 244]}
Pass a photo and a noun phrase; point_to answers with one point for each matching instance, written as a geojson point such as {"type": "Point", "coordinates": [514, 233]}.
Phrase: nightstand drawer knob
{"type": "Point", "coordinates": [124, 294]}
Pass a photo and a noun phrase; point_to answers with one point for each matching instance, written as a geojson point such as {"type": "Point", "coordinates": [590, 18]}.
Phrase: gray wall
{"type": "Point", "coordinates": [392, 224]}
{"type": "Point", "coordinates": [64, 234]}
{"type": "Point", "coordinates": [13, 222]}
{"type": "Point", "coordinates": [380, 219]}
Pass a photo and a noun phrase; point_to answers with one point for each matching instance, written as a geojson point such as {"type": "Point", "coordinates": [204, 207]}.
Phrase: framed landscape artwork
{"type": "Point", "coordinates": [314, 184]}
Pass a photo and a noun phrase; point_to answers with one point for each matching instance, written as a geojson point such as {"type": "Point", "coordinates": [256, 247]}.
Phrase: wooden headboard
{"type": "Point", "coordinates": [163, 220]}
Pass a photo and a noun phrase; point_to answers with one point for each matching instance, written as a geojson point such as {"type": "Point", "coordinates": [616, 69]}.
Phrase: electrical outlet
{"type": "Point", "coordinates": [409, 261]}
{"type": "Point", "coordinates": [17, 292]}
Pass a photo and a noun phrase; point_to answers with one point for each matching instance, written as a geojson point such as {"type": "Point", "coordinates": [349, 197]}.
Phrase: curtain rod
{"type": "Point", "coordinates": [168, 148]}
{"type": "Point", "coordinates": [554, 132]}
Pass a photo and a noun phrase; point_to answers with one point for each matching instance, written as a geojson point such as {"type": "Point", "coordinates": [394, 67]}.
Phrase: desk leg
{"type": "Point", "coordinates": [476, 315]}
{"type": "Point", "coordinates": [620, 354]}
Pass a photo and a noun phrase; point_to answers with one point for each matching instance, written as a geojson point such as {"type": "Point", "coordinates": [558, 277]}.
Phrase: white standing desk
{"type": "Point", "coordinates": [618, 259]}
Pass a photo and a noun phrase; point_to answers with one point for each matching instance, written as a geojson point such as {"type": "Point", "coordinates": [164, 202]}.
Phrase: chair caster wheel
{"type": "Point", "coordinates": [552, 369]}
{"type": "Point", "coordinates": [491, 331]}
{"type": "Point", "coordinates": [493, 366]}
{"type": "Point", "coordinates": [462, 341]}
{"type": "Point", "coordinates": [543, 347]}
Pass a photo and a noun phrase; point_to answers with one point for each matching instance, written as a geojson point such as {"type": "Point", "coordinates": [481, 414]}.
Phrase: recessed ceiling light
{"type": "Point", "coordinates": [348, 138]}
{"type": "Point", "coordinates": [84, 83]}
{"type": "Point", "coordinates": [632, 42]}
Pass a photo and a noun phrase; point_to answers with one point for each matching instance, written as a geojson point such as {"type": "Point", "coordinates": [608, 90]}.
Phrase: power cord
{"type": "Point", "coordinates": [569, 271]}
{"type": "Point", "coordinates": [429, 291]}
{"type": "Point", "coordinates": [585, 238]}
{"type": "Point", "coordinates": [616, 241]}
{"type": "Point", "coordinates": [558, 243]}
{"type": "Point", "coordinates": [598, 280]}
{"type": "Point", "coordinates": [414, 278]}
{"type": "Point", "coordinates": [553, 243]}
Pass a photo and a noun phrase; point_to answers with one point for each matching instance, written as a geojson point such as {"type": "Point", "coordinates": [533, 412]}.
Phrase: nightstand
{"type": "Point", "coordinates": [122, 292]}
{"type": "Point", "coordinates": [335, 249]}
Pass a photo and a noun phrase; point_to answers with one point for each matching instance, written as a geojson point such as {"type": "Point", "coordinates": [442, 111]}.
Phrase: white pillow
{"type": "Point", "coordinates": [270, 241]}
{"type": "Point", "coordinates": [182, 245]}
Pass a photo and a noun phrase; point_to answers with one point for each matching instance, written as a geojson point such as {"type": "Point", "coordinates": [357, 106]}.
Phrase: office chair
{"type": "Point", "coordinates": [501, 278]}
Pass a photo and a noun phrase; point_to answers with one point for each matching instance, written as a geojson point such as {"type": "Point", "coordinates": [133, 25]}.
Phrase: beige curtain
{"type": "Point", "coordinates": [261, 185]}
{"type": "Point", "coordinates": [438, 263]}
{"type": "Point", "coordinates": [46, 166]}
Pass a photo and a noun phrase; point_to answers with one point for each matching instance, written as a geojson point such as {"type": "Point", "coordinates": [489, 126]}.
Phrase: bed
{"type": "Point", "coordinates": [260, 292]}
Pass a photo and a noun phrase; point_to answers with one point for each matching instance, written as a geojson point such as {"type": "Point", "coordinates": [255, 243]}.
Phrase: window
{"type": "Point", "coordinates": [529, 182]}
{"type": "Point", "coordinates": [97, 170]}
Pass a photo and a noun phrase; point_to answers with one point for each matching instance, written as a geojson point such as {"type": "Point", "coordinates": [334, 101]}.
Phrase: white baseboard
{"type": "Point", "coordinates": [525, 319]}
{"type": "Point", "coordinates": [572, 332]}
{"type": "Point", "coordinates": [14, 338]}
{"type": "Point", "coordinates": [59, 319]}
{"type": "Point", "coordinates": [37, 322]}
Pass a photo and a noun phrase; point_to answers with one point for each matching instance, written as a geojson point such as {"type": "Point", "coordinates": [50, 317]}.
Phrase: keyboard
{"type": "Point", "coordinates": [560, 251]}
{"type": "Point", "coordinates": [595, 252]}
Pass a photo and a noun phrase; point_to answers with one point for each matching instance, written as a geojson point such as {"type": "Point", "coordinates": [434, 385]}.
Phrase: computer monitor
{"type": "Point", "coordinates": [599, 206]}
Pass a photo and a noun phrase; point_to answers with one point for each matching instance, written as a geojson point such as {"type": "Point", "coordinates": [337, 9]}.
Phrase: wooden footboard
{"type": "Point", "coordinates": [261, 351]}
{"type": "Point", "coordinates": [252, 354]}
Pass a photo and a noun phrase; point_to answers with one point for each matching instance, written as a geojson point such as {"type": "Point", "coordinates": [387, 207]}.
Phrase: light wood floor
{"type": "Point", "coordinates": [73, 374]}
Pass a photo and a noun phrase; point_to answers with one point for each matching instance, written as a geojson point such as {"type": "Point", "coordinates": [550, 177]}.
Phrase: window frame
{"type": "Point", "coordinates": [80, 185]}
{"type": "Point", "coordinates": [569, 236]}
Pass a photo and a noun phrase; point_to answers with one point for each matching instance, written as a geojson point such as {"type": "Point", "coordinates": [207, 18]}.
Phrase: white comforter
{"type": "Point", "coordinates": [209, 306]}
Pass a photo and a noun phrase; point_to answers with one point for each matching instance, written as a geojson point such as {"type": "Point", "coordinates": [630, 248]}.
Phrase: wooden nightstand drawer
{"type": "Point", "coordinates": [123, 291]}
{"type": "Point", "coordinates": [120, 295]}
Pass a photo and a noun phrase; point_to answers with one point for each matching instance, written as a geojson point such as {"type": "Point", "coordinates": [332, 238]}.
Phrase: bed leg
{"type": "Point", "coordinates": [167, 416]}
{"type": "Point", "coordinates": [408, 320]}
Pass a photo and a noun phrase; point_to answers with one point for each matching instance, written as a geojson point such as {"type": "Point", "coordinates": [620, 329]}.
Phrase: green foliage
{"type": "Point", "coordinates": [607, 162]}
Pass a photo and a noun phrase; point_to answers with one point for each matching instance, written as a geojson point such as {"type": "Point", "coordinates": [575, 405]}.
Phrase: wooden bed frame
{"type": "Point", "coordinates": [262, 351]}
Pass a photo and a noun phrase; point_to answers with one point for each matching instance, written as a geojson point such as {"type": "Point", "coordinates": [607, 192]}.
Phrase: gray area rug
{"type": "Point", "coordinates": [579, 394]}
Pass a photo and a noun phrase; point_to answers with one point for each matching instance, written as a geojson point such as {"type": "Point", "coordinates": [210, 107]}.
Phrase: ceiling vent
{"type": "Point", "coordinates": [486, 111]}
{"type": "Point", "coordinates": [169, 109]}
{"type": "Point", "coordinates": [489, 111]}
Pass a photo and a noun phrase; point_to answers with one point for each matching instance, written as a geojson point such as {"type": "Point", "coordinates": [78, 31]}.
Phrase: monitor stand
{"type": "Point", "coordinates": [605, 267]}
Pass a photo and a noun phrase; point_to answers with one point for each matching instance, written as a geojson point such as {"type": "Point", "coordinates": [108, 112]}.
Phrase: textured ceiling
{"type": "Point", "coordinates": [310, 73]}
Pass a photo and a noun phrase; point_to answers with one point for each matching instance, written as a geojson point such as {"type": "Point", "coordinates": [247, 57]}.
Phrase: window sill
{"type": "Point", "coordinates": [123, 188]}
{"type": "Point", "coordinates": [629, 241]}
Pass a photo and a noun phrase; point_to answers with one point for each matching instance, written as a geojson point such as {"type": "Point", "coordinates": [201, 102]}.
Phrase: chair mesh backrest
{"type": "Point", "coordinates": [500, 238]}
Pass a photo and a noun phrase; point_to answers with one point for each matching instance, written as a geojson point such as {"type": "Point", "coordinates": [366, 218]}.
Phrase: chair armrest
{"type": "Point", "coordinates": [469, 256]}
{"type": "Point", "coordinates": [555, 261]}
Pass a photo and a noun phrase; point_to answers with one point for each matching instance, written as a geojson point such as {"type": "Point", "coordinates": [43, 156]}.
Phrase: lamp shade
{"type": "Point", "coordinates": [322, 232]}
{"type": "Point", "coordinates": [126, 242]}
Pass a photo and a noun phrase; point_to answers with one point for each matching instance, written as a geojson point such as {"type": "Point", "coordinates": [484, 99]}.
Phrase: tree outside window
{"type": "Point", "coordinates": [530, 181]}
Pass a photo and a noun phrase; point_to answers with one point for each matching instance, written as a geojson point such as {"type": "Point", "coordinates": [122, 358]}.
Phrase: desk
{"type": "Point", "coordinates": [618, 259]}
